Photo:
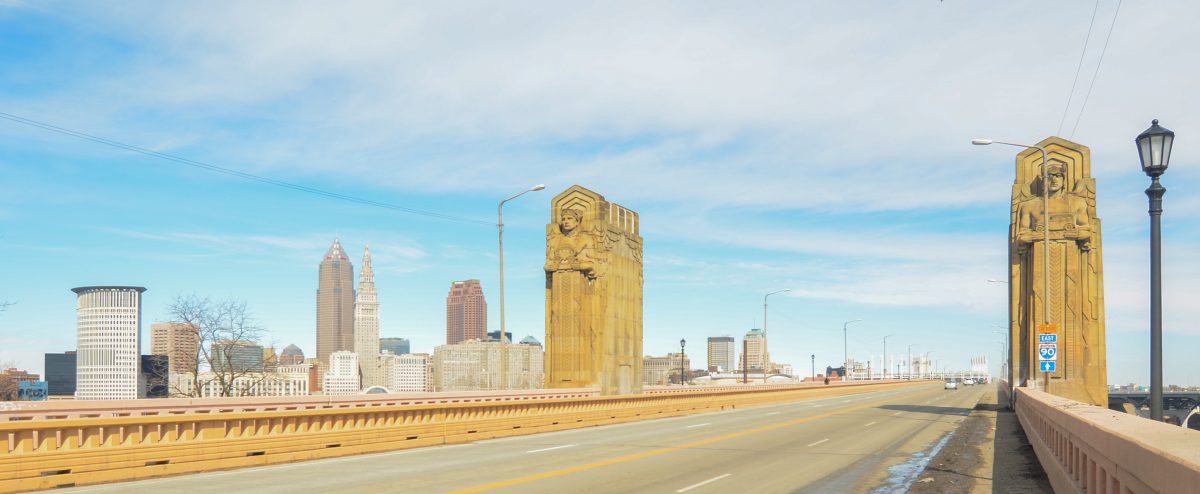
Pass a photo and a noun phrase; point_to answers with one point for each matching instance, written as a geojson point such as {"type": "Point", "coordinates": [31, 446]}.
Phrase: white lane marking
{"type": "Point", "coordinates": [817, 406]}
{"type": "Point", "coordinates": [847, 401]}
{"type": "Point", "coordinates": [551, 449]}
{"type": "Point", "coordinates": [773, 413]}
{"type": "Point", "coordinates": [870, 424]}
{"type": "Point", "coordinates": [699, 425]}
{"type": "Point", "coordinates": [818, 442]}
{"type": "Point", "coordinates": [897, 413]}
{"type": "Point", "coordinates": [693, 486]}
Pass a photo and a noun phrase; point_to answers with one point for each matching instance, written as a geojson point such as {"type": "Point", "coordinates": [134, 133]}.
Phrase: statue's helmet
{"type": "Point", "coordinates": [577, 214]}
{"type": "Point", "coordinates": [1055, 167]}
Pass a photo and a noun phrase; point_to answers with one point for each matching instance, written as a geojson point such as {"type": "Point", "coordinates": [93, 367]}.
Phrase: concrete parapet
{"type": "Point", "coordinates": [1086, 448]}
{"type": "Point", "coordinates": [44, 453]}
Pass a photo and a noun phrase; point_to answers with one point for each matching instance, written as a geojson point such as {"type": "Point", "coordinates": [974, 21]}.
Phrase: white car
{"type": "Point", "coordinates": [968, 382]}
{"type": "Point", "coordinates": [951, 385]}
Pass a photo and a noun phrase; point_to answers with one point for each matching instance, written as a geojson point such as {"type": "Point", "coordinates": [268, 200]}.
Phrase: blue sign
{"type": "Point", "coordinates": [33, 391]}
{"type": "Point", "coordinates": [1047, 366]}
{"type": "Point", "coordinates": [1048, 351]}
{"type": "Point", "coordinates": [1048, 338]}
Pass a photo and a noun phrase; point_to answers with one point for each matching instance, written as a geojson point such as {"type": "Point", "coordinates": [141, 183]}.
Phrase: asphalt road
{"type": "Point", "coordinates": [869, 442]}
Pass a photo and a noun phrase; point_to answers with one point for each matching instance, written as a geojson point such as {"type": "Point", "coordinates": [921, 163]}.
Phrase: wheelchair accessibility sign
{"type": "Point", "coordinates": [1048, 351]}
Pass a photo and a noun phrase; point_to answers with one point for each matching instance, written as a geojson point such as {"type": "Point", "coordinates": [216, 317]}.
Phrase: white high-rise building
{"type": "Point", "coordinates": [722, 355]}
{"type": "Point", "coordinates": [366, 325]}
{"type": "Point", "coordinates": [342, 376]}
{"type": "Point", "coordinates": [108, 322]}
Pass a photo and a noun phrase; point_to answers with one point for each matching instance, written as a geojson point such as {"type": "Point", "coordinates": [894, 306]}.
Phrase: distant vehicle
{"type": "Point", "coordinates": [968, 382]}
{"type": "Point", "coordinates": [951, 385]}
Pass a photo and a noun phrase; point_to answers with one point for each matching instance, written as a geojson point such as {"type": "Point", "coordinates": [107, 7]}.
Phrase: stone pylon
{"type": "Point", "coordinates": [593, 294]}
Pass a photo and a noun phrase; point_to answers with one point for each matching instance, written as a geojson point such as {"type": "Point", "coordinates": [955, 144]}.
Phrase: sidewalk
{"type": "Point", "coordinates": [988, 453]}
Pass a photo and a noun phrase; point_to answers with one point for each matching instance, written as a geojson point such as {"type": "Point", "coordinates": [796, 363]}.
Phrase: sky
{"type": "Point", "coordinates": [821, 147]}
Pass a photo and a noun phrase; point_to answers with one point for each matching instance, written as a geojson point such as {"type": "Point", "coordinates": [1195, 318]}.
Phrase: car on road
{"type": "Point", "coordinates": [951, 385]}
{"type": "Point", "coordinates": [968, 382]}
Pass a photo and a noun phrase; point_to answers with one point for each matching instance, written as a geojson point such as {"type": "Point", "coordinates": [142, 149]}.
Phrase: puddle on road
{"type": "Point", "coordinates": [901, 476]}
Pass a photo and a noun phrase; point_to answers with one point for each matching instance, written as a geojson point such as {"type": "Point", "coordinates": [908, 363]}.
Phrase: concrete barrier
{"type": "Point", "coordinates": [1086, 448]}
{"type": "Point", "coordinates": [47, 453]}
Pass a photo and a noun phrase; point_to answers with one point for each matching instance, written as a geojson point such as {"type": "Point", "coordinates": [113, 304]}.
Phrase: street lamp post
{"type": "Point", "coordinates": [845, 349]}
{"type": "Point", "coordinates": [885, 355]}
{"type": "Point", "coordinates": [814, 367]}
{"type": "Point", "coordinates": [1045, 228]}
{"type": "Point", "coordinates": [765, 354]}
{"type": "Point", "coordinates": [1154, 149]}
{"type": "Point", "coordinates": [682, 365]}
{"type": "Point", "coordinates": [500, 228]}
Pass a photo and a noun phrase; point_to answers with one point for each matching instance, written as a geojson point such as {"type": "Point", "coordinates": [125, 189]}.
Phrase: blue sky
{"type": "Point", "coordinates": [823, 148]}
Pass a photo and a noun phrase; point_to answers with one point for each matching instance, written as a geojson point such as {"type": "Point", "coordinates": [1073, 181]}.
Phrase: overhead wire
{"type": "Point", "coordinates": [1096, 73]}
{"type": "Point", "coordinates": [236, 173]}
{"type": "Point", "coordinates": [1079, 67]}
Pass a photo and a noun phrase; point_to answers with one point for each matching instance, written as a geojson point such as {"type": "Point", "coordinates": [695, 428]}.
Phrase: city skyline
{"type": "Point", "coordinates": [750, 175]}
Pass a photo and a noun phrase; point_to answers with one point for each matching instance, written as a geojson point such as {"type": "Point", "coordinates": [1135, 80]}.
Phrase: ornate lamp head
{"type": "Point", "coordinates": [1154, 148]}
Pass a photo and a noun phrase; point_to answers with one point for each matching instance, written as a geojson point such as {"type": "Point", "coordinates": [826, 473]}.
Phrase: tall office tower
{"type": "Point", "coordinates": [335, 304]}
{"type": "Point", "coordinates": [366, 324]}
{"type": "Point", "coordinates": [235, 357]}
{"type": "Point", "coordinates": [342, 377]}
{"type": "Point", "coordinates": [109, 345]}
{"type": "Point", "coordinates": [756, 350]}
{"type": "Point", "coordinates": [398, 346]}
{"type": "Point", "coordinates": [722, 354]}
{"type": "Point", "coordinates": [179, 342]}
{"type": "Point", "coordinates": [466, 312]}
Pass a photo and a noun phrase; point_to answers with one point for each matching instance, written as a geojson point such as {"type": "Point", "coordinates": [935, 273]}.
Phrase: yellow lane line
{"type": "Point", "coordinates": [647, 454]}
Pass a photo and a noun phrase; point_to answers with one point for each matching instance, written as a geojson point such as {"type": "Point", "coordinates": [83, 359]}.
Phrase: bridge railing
{"type": "Point", "coordinates": [40, 454]}
{"type": "Point", "coordinates": [1086, 448]}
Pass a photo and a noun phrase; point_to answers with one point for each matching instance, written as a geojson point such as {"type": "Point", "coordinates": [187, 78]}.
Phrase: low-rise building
{"type": "Point", "coordinates": [342, 377]}
{"type": "Point", "coordinates": [210, 385]}
{"type": "Point", "coordinates": [658, 371]}
{"type": "Point", "coordinates": [474, 365]}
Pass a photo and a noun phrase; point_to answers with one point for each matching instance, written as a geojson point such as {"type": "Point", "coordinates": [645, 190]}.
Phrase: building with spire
{"type": "Point", "coordinates": [466, 312]}
{"type": "Point", "coordinates": [366, 325]}
{"type": "Point", "coordinates": [335, 304]}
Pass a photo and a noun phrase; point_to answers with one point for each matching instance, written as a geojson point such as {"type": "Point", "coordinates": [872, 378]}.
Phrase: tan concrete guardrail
{"type": "Point", "coordinates": [41, 454]}
{"type": "Point", "coordinates": [1086, 448]}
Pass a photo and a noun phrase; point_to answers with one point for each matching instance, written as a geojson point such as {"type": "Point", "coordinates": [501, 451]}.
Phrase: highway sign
{"type": "Point", "coordinates": [1047, 366]}
{"type": "Point", "coordinates": [1047, 328]}
{"type": "Point", "coordinates": [1048, 338]}
{"type": "Point", "coordinates": [1048, 351]}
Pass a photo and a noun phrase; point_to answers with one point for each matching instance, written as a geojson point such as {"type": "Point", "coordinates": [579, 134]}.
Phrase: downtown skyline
{"type": "Point", "coordinates": [859, 190]}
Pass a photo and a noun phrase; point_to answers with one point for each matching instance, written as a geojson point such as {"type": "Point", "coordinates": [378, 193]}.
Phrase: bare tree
{"type": "Point", "coordinates": [225, 333]}
{"type": "Point", "coordinates": [8, 384]}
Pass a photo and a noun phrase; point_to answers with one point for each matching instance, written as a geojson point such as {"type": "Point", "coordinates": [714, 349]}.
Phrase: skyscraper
{"type": "Point", "coordinates": [756, 350]}
{"type": "Point", "coordinates": [179, 342]}
{"type": "Point", "coordinates": [466, 312]}
{"type": "Point", "coordinates": [108, 329]}
{"type": "Point", "coordinates": [335, 304]}
{"type": "Point", "coordinates": [366, 324]}
{"type": "Point", "coordinates": [721, 354]}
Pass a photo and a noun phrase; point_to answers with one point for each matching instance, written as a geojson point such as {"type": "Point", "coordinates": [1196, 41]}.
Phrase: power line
{"type": "Point", "coordinates": [1079, 68]}
{"type": "Point", "coordinates": [1097, 72]}
{"type": "Point", "coordinates": [235, 173]}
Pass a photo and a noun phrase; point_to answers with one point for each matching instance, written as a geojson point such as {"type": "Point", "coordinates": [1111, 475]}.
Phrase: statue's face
{"type": "Point", "coordinates": [568, 223]}
{"type": "Point", "coordinates": [1056, 181]}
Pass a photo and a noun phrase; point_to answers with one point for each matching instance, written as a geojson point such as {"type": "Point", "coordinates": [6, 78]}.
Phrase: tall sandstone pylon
{"type": "Point", "coordinates": [1071, 260]}
{"type": "Point", "coordinates": [593, 294]}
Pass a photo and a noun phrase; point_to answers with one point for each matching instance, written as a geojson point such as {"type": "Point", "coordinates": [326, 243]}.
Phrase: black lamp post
{"type": "Point", "coordinates": [1154, 148]}
{"type": "Point", "coordinates": [682, 366]}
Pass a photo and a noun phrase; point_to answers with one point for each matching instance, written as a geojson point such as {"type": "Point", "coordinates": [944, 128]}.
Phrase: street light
{"type": "Point", "coordinates": [1045, 223]}
{"type": "Point", "coordinates": [885, 354]}
{"type": "Point", "coordinates": [500, 228]}
{"type": "Point", "coordinates": [682, 365]}
{"type": "Point", "coordinates": [766, 359]}
{"type": "Point", "coordinates": [845, 350]}
{"type": "Point", "coordinates": [1154, 149]}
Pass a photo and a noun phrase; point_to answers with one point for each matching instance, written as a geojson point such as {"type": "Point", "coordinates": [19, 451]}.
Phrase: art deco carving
{"type": "Point", "coordinates": [593, 294]}
{"type": "Point", "coordinates": [1076, 283]}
